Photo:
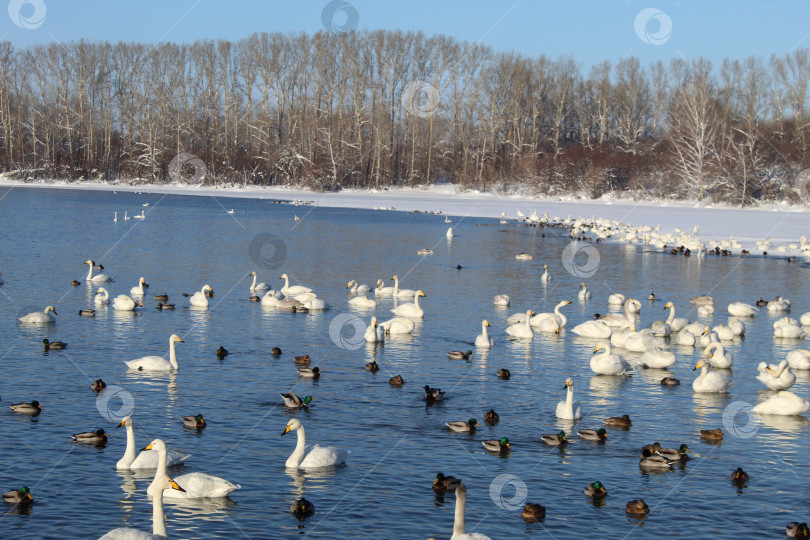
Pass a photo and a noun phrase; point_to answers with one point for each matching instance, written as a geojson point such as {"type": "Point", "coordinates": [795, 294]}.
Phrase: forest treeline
{"type": "Point", "coordinates": [373, 109]}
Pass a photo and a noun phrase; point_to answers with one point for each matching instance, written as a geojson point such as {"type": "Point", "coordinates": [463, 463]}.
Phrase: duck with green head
{"type": "Point", "coordinates": [460, 355]}
{"type": "Point", "coordinates": [98, 437]}
{"type": "Point", "coordinates": [501, 445]}
{"type": "Point", "coordinates": [53, 345]}
{"type": "Point", "coordinates": [554, 439]}
{"type": "Point", "coordinates": [599, 435]}
{"type": "Point", "coordinates": [675, 454]}
{"type": "Point", "coordinates": [596, 490]}
{"type": "Point", "coordinates": [464, 427]}
{"type": "Point", "coordinates": [197, 421]}
{"type": "Point", "coordinates": [654, 461]}
{"type": "Point", "coordinates": [18, 496]}
{"type": "Point", "coordinates": [294, 402]}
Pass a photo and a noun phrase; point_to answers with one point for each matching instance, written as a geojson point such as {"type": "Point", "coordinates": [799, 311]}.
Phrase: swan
{"type": "Point", "coordinates": [719, 358]}
{"type": "Point", "coordinates": [381, 290]}
{"type": "Point", "coordinates": [200, 298]}
{"type": "Point", "coordinates": [102, 297]}
{"type": "Point", "coordinates": [545, 277]}
{"type": "Point", "coordinates": [789, 331]}
{"type": "Point", "coordinates": [398, 325]}
{"type": "Point", "coordinates": [685, 337]}
{"type": "Point", "coordinates": [115, 218]}
{"type": "Point", "coordinates": [785, 321]}
{"type": "Point", "coordinates": [363, 301]}
{"type": "Point", "coordinates": [411, 310]}
{"type": "Point", "coordinates": [568, 409]}
{"type": "Point", "coordinates": [676, 325]}
{"type": "Point", "coordinates": [500, 300]}
{"type": "Point", "coordinates": [696, 328]}
{"type": "Point", "coordinates": [99, 278]}
{"type": "Point", "coordinates": [158, 363]}
{"type": "Point", "coordinates": [642, 341]}
{"type": "Point", "coordinates": [163, 485]}
{"type": "Point", "coordinates": [616, 299]}
{"type": "Point", "coordinates": [619, 336]}
{"type": "Point", "coordinates": [550, 322]}
{"type": "Point", "coordinates": [126, 217]}
{"type": "Point", "coordinates": [138, 291]}
{"type": "Point", "coordinates": [785, 403]}
{"type": "Point", "coordinates": [318, 456]}
{"type": "Point", "coordinates": [271, 298]}
{"type": "Point", "coordinates": [522, 330]}
{"type": "Point", "coordinates": [780, 305]}
{"type": "Point", "coordinates": [295, 289]}
{"type": "Point", "coordinates": [805, 319]}
{"type": "Point", "coordinates": [142, 216]}
{"type": "Point", "coordinates": [196, 485]}
{"type": "Point", "coordinates": [593, 329]}
{"type": "Point", "coordinates": [354, 288]}
{"type": "Point", "coordinates": [256, 287]}
{"type": "Point", "coordinates": [449, 233]}
{"type": "Point", "coordinates": [305, 297]}
{"type": "Point", "coordinates": [483, 340]}
{"type": "Point", "coordinates": [458, 525]}
{"type": "Point", "coordinates": [724, 332]}
{"type": "Point", "coordinates": [523, 257]}
{"type": "Point", "coordinates": [316, 304]}
{"type": "Point", "coordinates": [708, 338]}
{"type": "Point", "coordinates": [705, 311]}
{"type": "Point", "coordinates": [606, 363]}
{"type": "Point", "coordinates": [703, 300]}
{"type": "Point", "coordinates": [373, 333]}
{"type": "Point", "coordinates": [776, 377]}
{"type": "Point", "coordinates": [799, 359]}
{"type": "Point", "coordinates": [615, 320]}
{"type": "Point", "coordinates": [657, 358]}
{"type": "Point", "coordinates": [402, 293]}
{"type": "Point", "coordinates": [584, 293]}
{"type": "Point", "coordinates": [40, 317]}
{"type": "Point", "coordinates": [147, 459]}
{"type": "Point", "coordinates": [737, 326]}
{"type": "Point", "coordinates": [710, 381]}
{"type": "Point", "coordinates": [123, 302]}
{"type": "Point", "coordinates": [740, 309]}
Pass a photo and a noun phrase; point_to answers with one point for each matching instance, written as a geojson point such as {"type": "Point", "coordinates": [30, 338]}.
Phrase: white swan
{"type": "Point", "coordinates": [483, 340]}
{"type": "Point", "coordinates": [724, 332]}
{"type": "Point", "coordinates": [710, 381]}
{"type": "Point", "coordinates": [789, 331]}
{"type": "Point", "coordinates": [138, 291]}
{"type": "Point", "coordinates": [799, 359]}
{"type": "Point", "coordinates": [607, 363]}
{"type": "Point", "coordinates": [616, 299]}
{"type": "Point", "coordinates": [805, 319]}
{"type": "Point", "coordinates": [657, 358]}
{"type": "Point", "coordinates": [642, 341]}
{"type": "Point", "coordinates": [500, 300]}
{"type": "Point", "coordinates": [685, 337]}
{"type": "Point", "coordinates": [719, 358]}
{"type": "Point", "coordinates": [126, 217]}
{"type": "Point", "coordinates": [568, 409]}
{"type": "Point", "coordinates": [705, 311]}
{"type": "Point", "coordinates": [99, 278]}
{"type": "Point", "coordinates": [458, 523]}
{"type": "Point", "coordinates": [142, 216]}
{"type": "Point", "coordinates": [785, 403]}
{"type": "Point", "coordinates": [101, 298]}
{"type": "Point", "coordinates": [163, 484]}
{"type": "Point", "coordinates": [410, 310]}
{"type": "Point", "coordinates": [200, 298]}
{"type": "Point", "coordinates": [363, 301]}
{"type": "Point", "coordinates": [546, 276]}
{"type": "Point", "coordinates": [620, 335]}
{"type": "Point", "coordinates": [523, 257]}
{"type": "Point", "coordinates": [584, 293]}
{"type": "Point", "coordinates": [318, 456]}
{"type": "Point", "coordinates": [271, 298]}
{"type": "Point", "coordinates": [398, 325]}
{"type": "Point", "coordinates": [195, 485]}
{"type": "Point", "coordinates": [40, 317]}
{"type": "Point", "coordinates": [522, 330]}
{"type": "Point", "coordinates": [402, 293]}
{"type": "Point", "coordinates": [614, 320]}
{"type": "Point", "coordinates": [737, 326]}
{"type": "Point", "coordinates": [708, 338]}
{"type": "Point", "coordinates": [382, 290]}
{"type": "Point", "coordinates": [696, 328]}
{"type": "Point", "coordinates": [354, 288]}
{"type": "Point", "coordinates": [776, 377]}
{"type": "Point", "coordinates": [158, 363]}
{"type": "Point", "coordinates": [675, 324]}
{"type": "Point", "coordinates": [123, 302]}
{"type": "Point", "coordinates": [295, 289]}
{"type": "Point", "coordinates": [257, 287]}
{"type": "Point", "coordinates": [780, 305]}
{"type": "Point", "coordinates": [550, 322]}
{"type": "Point", "coordinates": [373, 333]}
{"type": "Point", "coordinates": [740, 309]}
{"type": "Point", "coordinates": [147, 459]}
{"type": "Point", "coordinates": [593, 329]}
{"type": "Point", "coordinates": [316, 304]}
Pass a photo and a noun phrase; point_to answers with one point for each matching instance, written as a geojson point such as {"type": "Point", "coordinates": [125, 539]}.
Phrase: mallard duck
{"type": "Point", "coordinates": [27, 408]}
{"type": "Point", "coordinates": [309, 373]}
{"type": "Point", "coordinates": [161, 297]}
{"type": "Point", "coordinates": [275, 351]}
{"type": "Point", "coordinates": [53, 345]}
{"type": "Point", "coordinates": [299, 309]}
{"type": "Point", "coordinates": [670, 381]}
{"type": "Point", "coordinates": [622, 421]}
{"type": "Point", "coordinates": [654, 461]}
{"type": "Point", "coordinates": [651, 298]}
{"type": "Point", "coordinates": [637, 506]}
{"type": "Point", "coordinates": [98, 437]}
{"type": "Point", "coordinates": [593, 434]}
{"type": "Point", "coordinates": [254, 298]}
{"type": "Point", "coordinates": [504, 374]}
{"type": "Point", "coordinates": [491, 417]}
{"type": "Point", "coordinates": [794, 529]}
{"type": "Point", "coordinates": [293, 401]}
{"type": "Point", "coordinates": [533, 512]}
{"type": "Point", "coordinates": [196, 421]}
{"type": "Point", "coordinates": [651, 448]}
{"type": "Point", "coordinates": [739, 477]}
{"type": "Point", "coordinates": [595, 490]}
{"type": "Point", "coordinates": [497, 445]}
{"type": "Point", "coordinates": [222, 352]}
{"type": "Point", "coordinates": [433, 395]}
{"type": "Point", "coordinates": [372, 366]}
{"type": "Point", "coordinates": [165, 307]}
{"type": "Point", "coordinates": [458, 355]}
{"type": "Point", "coordinates": [762, 302]}
{"type": "Point", "coordinates": [98, 385]}
{"type": "Point", "coordinates": [396, 380]}
{"type": "Point", "coordinates": [675, 454]}
{"type": "Point", "coordinates": [445, 483]}
{"type": "Point", "coordinates": [711, 434]}
{"type": "Point", "coordinates": [18, 496]}
{"type": "Point", "coordinates": [302, 509]}
{"type": "Point", "coordinates": [554, 439]}
{"type": "Point", "coordinates": [75, 282]}
{"type": "Point", "coordinates": [87, 312]}
{"type": "Point", "coordinates": [303, 360]}
{"type": "Point", "coordinates": [464, 427]}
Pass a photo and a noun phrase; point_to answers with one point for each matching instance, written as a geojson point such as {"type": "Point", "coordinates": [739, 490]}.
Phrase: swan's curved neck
{"type": "Point", "coordinates": [253, 286]}
{"type": "Point", "coordinates": [286, 282]}
{"type": "Point", "coordinates": [396, 285]}
{"type": "Point", "coordinates": [129, 453]}
{"type": "Point", "coordinates": [560, 317]}
{"type": "Point", "coordinates": [416, 301]}
{"type": "Point", "coordinates": [783, 365]}
{"type": "Point", "coordinates": [90, 271]}
{"type": "Point", "coordinates": [158, 519]}
{"type": "Point", "coordinates": [173, 355]}
{"type": "Point", "coordinates": [528, 319]}
{"type": "Point", "coordinates": [161, 467]}
{"type": "Point", "coordinates": [297, 456]}
{"type": "Point", "coordinates": [569, 399]}
{"type": "Point", "coordinates": [458, 524]}
{"type": "Point", "coordinates": [484, 331]}
{"type": "Point", "coordinates": [671, 314]}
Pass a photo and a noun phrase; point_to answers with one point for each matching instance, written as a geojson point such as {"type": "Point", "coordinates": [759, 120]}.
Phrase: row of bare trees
{"type": "Point", "coordinates": [375, 109]}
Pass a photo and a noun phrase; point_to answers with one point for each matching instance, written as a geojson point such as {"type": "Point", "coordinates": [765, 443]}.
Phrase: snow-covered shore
{"type": "Point", "coordinates": [783, 224]}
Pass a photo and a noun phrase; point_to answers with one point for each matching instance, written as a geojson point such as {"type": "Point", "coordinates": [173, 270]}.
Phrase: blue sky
{"type": "Point", "coordinates": [589, 31]}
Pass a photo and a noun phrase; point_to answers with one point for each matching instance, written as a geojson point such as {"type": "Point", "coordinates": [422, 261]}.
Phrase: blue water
{"type": "Point", "coordinates": [397, 443]}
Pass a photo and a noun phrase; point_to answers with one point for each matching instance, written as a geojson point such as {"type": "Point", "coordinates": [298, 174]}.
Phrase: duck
{"type": "Point", "coordinates": [309, 373]}
{"type": "Point", "coordinates": [595, 490]}
{"type": "Point", "coordinates": [166, 307]}
{"type": "Point", "coordinates": [275, 351]}
{"type": "Point", "coordinates": [458, 355]}
{"type": "Point", "coordinates": [637, 507]}
{"type": "Point", "coordinates": [146, 459]}
{"type": "Point", "coordinates": [98, 278]}
{"type": "Point", "coordinates": [675, 454]}
{"type": "Point", "coordinates": [303, 359]}
{"type": "Point", "coordinates": [196, 421]}
{"type": "Point", "coordinates": [504, 374]}
{"type": "Point", "coordinates": [53, 345]}
{"type": "Point", "coordinates": [98, 437]}
{"type": "Point", "coordinates": [710, 381]}
{"type": "Point", "coordinates": [433, 395]}
{"type": "Point", "coordinates": [318, 457]}
{"type": "Point", "coordinates": [302, 509]}
{"type": "Point", "coordinates": [622, 421]}
{"type": "Point", "coordinates": [98, 385]}
{"type": "Point", "coordinates": [522, 330]}
{"type": "Point", "coordinates": [33, 408]}
{"type": "Point", "coordinates": [101, 298]}
{"type": "Point", "coordinates": [18, 496]}
{"type": "Point", "coordinates": [554, 439]}
{"type": "Point", "coordinates": [497, 445]}
{"type": "Point", "coordinates": [222, 352]}
{"type": "Point", "coordinates": [75, 282]}
{"type": "Point", "coordinates": [294, 402]}
{"type": "Point", "coordinates": [652, 448]}
{"type": "Point", "coordinates": [776, 377]}
{"type": "Point", "coordinates": [158, 363]}
{"type": "Point", "coordinates": [195, 485]}
{"type": "Point", "coordinates": [200, 298]}
{"type": "Point", "coordinates": [87, 312]}
{"type": "Point", "coordinates": [123, 302]}
{"type": "Point", "coordinates": [396, 380]}
{"type": "Point", "coordinates": [568, 409]}
{"type": "Point", "coordinates": [784, 403]}
{"type": "Point", "coordinates": [533, 512]}
{"type": "Point", "coordinates": [372, 366]}
{"type": "Point", "coordinates": [739, 477]}
{"type": "Point", "coordinates": [670, 381]}
{"type": "Point", "coordinates": [411, 310]}
{"type": "Point", "coordinates": [40, 317]}
{"type": "Point", "coordinates": [607, 363]}
{"type": "Point", "coordinates": [593, 434]}
{"type": "Point", "coordinates": [444, 483]}
{"type": "Point", "coordinates": [491, 417]}
{"type": "Point", "coordinates": [797, 530]}
{"type": "Point", "coordinates": [293, 290]}
{"type": "Point", "coordinates": [711, 434]}
{"type": "Point", "coordinates": [161, 297]}
{"type": "Point", "coordinates": [463, 427]}
{"type": "Point", "coordinates": [501, 300]}
{"type": "Point", "coordinates": [651, 461]}
{"type": "Point", "coordinates": [459, 530]}
{"type": "Point", "coordinates": [584, 293]}
{"type": "Point", "coordinates": [483, 340]}
{"type": "Point", "coordinates": [651, 297]}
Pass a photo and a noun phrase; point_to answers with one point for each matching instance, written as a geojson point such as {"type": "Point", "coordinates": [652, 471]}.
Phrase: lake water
{"type": "Point", "coordinates": [397, 443]}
